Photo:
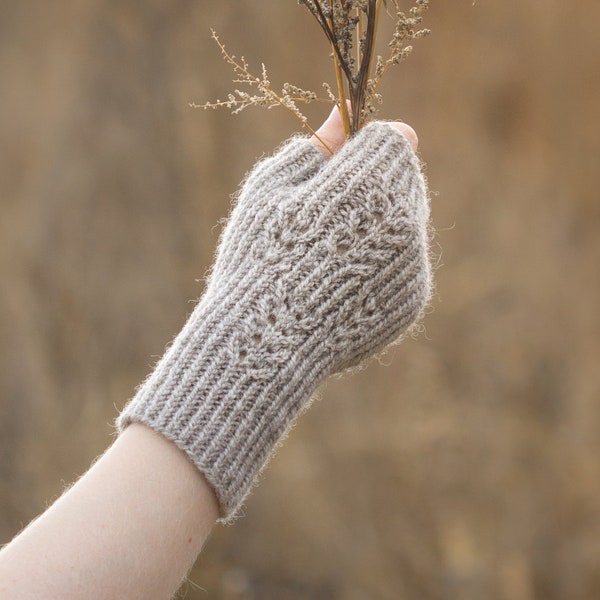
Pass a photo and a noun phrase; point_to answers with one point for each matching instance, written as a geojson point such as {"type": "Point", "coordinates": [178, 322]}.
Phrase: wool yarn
{"type": "Point", "coordinates": [322, 263]}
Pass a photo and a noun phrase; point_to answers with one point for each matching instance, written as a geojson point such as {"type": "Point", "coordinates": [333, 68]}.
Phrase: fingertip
{"type": "Point", "coordinates": [408, 132]}
{"type": "Point", "coordinates": [330, 137]}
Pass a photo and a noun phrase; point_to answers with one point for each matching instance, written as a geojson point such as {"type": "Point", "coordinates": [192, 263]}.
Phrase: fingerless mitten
{"type": "Point", "coordinates": [323, 263]}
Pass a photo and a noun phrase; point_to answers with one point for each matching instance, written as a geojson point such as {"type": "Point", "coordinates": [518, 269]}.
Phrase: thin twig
{"type": "Point", "coordinates": [365, 64]}
{"type": "Point", "coordinates": [268, 97]}
{"type": "Point", "coordinates": [343, 106]}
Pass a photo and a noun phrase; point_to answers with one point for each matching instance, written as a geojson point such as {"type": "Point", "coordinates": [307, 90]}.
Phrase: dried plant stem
{"type": "Point", "coordinates": [325, 25]}
{"type": "Point", "coordinates": [360, 86]}
{"type": "Point", "coordinates": [360, 32]}
{"type": "Point", "coordinates": [267, 96]}
{"type": "Point", "coordinates": [342, 104]}
{"type": "Point", "coordinates": [234, 103]}
{"type": "Point", "coordinates": [351, 28]}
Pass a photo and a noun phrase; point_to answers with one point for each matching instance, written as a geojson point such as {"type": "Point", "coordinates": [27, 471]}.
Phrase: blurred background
{"type": "Point", "coordinates": [464, 465]}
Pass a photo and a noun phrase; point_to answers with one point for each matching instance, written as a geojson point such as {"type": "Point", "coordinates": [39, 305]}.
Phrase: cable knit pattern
{"type": "Point", "coordinates": [323, 263]}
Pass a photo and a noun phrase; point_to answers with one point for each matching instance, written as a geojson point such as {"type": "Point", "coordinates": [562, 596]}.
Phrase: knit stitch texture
{"type": "Point", "coordinates": [323, 263]}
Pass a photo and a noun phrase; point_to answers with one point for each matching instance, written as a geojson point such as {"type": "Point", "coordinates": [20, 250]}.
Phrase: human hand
{"type": "Point", "coordinates": [323, 262]}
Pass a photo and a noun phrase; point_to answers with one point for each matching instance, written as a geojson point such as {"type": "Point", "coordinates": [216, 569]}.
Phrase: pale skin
{"type": "Point", "coordinates": [134, 524]}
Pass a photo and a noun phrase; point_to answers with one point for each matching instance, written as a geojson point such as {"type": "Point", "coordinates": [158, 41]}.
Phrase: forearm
{"type": "Point", "coordinates": [131, 527]}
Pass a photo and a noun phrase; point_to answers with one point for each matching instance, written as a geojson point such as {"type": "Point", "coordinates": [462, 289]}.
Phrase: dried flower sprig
{"type": "Point", "coordinates": [351, 29]}
{"type": "Point", "coordinates": [265, 95]}
{"type": "Point", "coordinates": [352, 25]}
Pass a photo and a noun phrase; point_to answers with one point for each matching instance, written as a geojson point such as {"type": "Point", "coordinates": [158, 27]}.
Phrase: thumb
{"type": "Point", "coordinates": [330, 136]}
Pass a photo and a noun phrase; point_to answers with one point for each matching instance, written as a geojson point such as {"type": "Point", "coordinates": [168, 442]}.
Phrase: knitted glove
{"type": "Point", "coordinates": [323, 263]}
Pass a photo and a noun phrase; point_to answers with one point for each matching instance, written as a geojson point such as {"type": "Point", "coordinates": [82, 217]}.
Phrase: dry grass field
{"type": "Point", "coordinates": [467, 464]}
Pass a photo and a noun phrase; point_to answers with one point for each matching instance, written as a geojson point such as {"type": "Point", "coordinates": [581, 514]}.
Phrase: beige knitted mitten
{"type": "Point", "coordinates": [323, 263]}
